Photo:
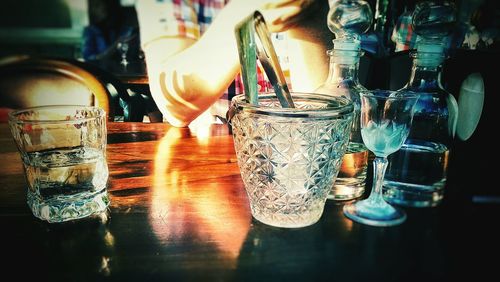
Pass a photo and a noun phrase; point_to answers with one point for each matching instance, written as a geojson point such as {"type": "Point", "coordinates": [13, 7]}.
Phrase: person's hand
{"type": "Point", "coordinates": [280, 15]}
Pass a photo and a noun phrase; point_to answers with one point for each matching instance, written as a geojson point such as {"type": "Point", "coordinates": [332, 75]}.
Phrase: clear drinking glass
{"type": "Point", "coordinates": [63, 149]}
{"type": "Point", "coordinates": [289, 157]}
{"type": "Point", "coordinates": [385, 123]}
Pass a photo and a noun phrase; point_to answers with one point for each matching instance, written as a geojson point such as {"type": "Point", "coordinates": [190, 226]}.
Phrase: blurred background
{"type": "Point", "coordinates": [56, 27]}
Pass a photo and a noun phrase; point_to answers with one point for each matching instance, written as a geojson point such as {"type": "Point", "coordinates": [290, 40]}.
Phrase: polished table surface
{"type": "Point", "coordinates": [179, 212]}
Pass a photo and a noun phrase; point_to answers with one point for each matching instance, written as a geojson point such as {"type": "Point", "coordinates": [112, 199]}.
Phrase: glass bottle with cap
{"type": "Point", "coordinates": [347, 20]}
{"type": "Point", "coordinates": [416, 175]}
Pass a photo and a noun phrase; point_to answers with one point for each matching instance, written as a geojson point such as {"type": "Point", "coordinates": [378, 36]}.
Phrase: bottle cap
{"type": "Point", "coordinates": [349, 17]}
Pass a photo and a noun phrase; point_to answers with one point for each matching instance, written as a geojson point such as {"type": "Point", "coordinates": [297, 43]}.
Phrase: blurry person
{"type": "Point", "coordinates": [107, 27]}
{"type": "Point", "coordinates": [191, 50]}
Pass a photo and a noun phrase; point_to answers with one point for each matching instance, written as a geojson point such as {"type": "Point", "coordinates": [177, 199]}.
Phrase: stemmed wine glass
{"type": "Point", "coordinates": [386, 118]}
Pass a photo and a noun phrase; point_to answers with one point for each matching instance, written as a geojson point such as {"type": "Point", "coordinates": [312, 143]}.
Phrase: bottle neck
{"type": "Point", "coordinates": [425, 74]}
{"type": "Point", "coordinates": [343, 66]}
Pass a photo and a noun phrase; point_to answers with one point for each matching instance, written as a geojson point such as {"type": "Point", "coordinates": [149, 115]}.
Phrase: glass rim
{"type": "Point", "coordinates": [347, 106]}
{"type": "Point", "coordinates": [13, 114]}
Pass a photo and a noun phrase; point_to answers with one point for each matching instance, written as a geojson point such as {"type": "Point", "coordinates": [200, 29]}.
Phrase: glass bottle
{"type": "Point", "coordinates": [348, 19]}
{"type": "Point", "coordinates": [416, 175]}
{"type": "Point", "coordinates": [343, 81]}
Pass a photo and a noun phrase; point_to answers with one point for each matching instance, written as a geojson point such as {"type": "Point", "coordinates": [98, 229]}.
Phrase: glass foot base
{"type": "Point", "coordinates": [379, 215]}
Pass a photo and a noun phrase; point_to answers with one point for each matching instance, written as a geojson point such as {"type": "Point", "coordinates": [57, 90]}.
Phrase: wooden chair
{"type": "Point", "coordinates": [28, 82]}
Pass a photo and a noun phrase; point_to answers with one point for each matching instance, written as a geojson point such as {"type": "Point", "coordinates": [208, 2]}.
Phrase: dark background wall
{"type": "Point", "coordinates": [48, 27]}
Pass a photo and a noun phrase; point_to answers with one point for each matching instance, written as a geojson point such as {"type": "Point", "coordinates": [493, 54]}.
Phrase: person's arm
{"type": "Point", "coordinates": [187, 76]}
{"type": "Point", "coordinates": [307, 48]}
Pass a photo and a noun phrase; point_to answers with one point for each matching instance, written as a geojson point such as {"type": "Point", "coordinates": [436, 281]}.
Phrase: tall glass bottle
{"type": "Point", "coordinates": [348, 19]}
{"type": "Point", "coordinates": [343, 81]}
{"type": "Point", "coordinates": [416, 174]}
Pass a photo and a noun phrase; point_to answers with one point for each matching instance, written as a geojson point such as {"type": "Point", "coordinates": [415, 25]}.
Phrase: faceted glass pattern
{"type": "Point", "coordinates": [289, 158]}
{"type": "Point", "coordinates": [63, 149]}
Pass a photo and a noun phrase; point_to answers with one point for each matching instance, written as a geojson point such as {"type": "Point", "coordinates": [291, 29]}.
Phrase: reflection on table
{"type": "Point", "coordinates": [179, 212]}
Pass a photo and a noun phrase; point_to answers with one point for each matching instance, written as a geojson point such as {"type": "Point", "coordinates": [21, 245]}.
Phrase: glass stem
{"type": "Point", "coordinates": [379, 167]}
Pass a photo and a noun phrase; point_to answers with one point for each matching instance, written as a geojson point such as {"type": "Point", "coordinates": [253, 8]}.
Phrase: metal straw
{"type": "Point", "coordinates": [270, 63]}
{"type": "Point", "coordinates": [263, 48]}
{"type": "Point", "coordinates": [246, 48]}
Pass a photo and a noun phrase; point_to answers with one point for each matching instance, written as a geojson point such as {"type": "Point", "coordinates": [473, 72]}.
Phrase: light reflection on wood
{"type": "Point", "coordinates": [192, 192]}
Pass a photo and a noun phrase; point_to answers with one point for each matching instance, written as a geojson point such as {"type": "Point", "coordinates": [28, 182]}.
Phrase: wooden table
{"type": "Point", "coordinates": [179, 212]}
